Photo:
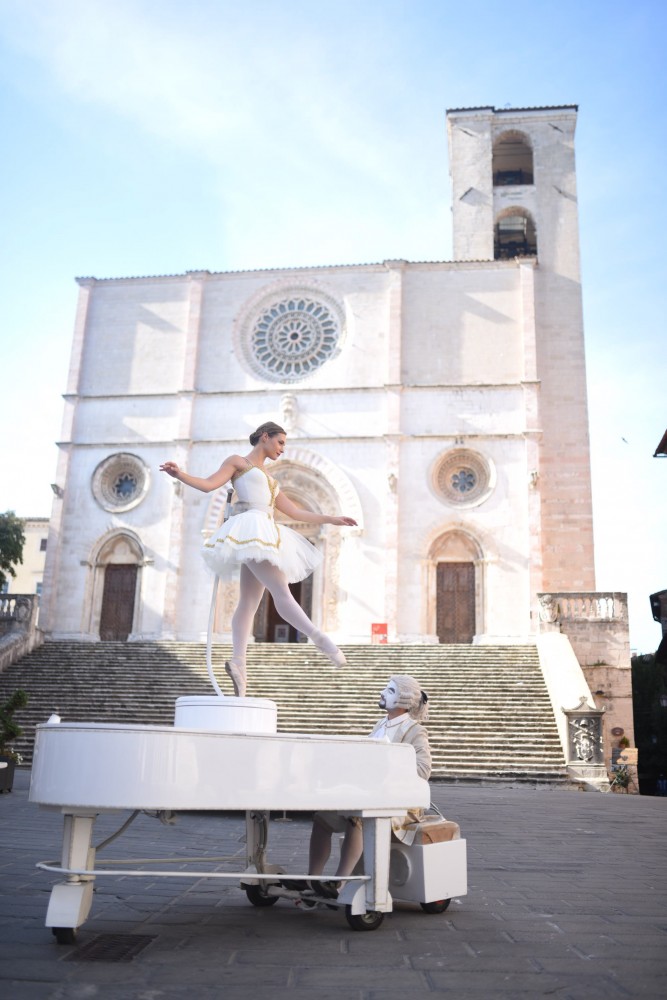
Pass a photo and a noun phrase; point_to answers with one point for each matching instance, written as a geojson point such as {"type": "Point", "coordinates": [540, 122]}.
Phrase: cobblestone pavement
{"type": "Point", "coordinates": [567, 899]}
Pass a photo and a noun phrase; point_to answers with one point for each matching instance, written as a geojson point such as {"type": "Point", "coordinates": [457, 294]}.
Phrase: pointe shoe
{"type": "Point", "coordinates": [238, 677]}
{"type": "Point", "coordinates": [335, 655]}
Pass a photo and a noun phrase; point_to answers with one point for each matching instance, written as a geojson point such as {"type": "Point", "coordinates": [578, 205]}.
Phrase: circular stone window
{"type": "Point", "coordinates": [120, 482]}
{"type": "Point", "coordinates": [289, 338]}
{"type": "Point", "coordinates": [463, 478]}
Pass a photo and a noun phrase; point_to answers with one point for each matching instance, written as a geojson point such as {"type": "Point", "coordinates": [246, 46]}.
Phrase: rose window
{"type": "Point", "coordinates": [120, 482]}
{"type": "Point", "coordinates": [125, 486]}
{"type": "Point", "coordinates": [463, 478]}
{"type": "Point", "coordinates": [291, 338]}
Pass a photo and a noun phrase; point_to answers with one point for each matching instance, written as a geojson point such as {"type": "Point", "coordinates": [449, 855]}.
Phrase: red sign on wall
{"type": "Point", "coordinates": [379, 633]}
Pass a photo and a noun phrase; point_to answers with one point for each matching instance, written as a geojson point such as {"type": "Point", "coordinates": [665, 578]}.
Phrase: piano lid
{"type": "Point", "coordinates": [105, 766]}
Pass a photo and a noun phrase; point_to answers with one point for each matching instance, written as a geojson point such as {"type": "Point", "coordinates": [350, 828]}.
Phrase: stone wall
{"type": "Point", "coordinates": [597, 626]}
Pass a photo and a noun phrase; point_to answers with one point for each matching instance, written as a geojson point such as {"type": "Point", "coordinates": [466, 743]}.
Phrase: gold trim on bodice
{"type": "Point", "coordinates": [273, 485]}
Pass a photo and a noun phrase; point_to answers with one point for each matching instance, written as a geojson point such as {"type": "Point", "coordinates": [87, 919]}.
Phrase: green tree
{"type": "Point", "coordinates": [12, 540]}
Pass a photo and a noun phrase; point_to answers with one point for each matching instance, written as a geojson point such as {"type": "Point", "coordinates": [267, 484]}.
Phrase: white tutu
{"type": "Point", "coordinates": [254, 535]}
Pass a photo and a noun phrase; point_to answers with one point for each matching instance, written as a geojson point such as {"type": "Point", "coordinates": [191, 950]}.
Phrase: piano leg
{"type": "Point", "coordinates": [257, 835]}
{"type": "Point", "coordinates": [257, 838]}
{"type": "Point", "coordinates": [377, 845]}
{"type": "Point", "coordinates": [70, 901]}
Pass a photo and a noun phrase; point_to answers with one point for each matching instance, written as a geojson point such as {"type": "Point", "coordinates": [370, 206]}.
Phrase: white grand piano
{"type": "Point", "coordinates": [84, 769]}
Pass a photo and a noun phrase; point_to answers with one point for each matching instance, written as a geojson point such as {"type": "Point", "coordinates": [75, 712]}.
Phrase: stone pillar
{"type": "Point", "coordinates": [532, 425]}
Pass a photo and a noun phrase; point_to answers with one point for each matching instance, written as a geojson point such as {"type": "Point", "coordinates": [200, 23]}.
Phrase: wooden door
{"type": "Point", "coordinates": [455, 602]}
{"type": "Point", "coordinates": [120, 584]}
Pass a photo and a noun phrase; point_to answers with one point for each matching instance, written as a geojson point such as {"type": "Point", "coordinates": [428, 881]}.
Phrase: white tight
{"type": "Point", "coordinates": [320, 849]}
{"type": "Point", "coordinates": [255, 578]}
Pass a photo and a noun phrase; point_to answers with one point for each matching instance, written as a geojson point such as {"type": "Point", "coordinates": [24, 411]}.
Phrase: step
{"type": "Point", "coordinates": [480, 696]}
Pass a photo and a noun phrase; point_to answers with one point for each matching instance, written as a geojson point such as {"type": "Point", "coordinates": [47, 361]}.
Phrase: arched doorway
{"type": "Point", "coordinates": [455, 561]}
{"type": "Point", "coordinates": [117, 580]}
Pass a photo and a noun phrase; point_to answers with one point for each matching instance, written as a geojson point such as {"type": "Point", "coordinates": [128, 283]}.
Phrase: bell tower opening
{"type": "Point", "coordinates": [512, 159]}
{"type": "Point", "coordinates": [514, 235]}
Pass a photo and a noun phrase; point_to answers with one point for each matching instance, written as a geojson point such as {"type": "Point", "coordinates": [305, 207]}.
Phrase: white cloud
{"type": "Point", "coordinates": [227, 89]}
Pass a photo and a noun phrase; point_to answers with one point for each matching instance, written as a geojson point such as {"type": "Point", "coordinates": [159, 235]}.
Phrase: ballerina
{"type": "Point", "coordinates": [270, 556]}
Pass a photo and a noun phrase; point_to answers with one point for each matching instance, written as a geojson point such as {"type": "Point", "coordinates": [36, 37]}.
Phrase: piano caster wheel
{"type": "Point", "coordinates": [437, 906]}
{"type": "Point", "coordinates": [258, 896]}
{"type": "Point", "coordinates": [64, 935]}
{"type": "Point", "coordinates": [368, 921]}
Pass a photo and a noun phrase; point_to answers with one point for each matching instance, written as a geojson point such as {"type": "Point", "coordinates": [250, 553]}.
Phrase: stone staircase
{"type": "Point", "coordinates": [490, 719]}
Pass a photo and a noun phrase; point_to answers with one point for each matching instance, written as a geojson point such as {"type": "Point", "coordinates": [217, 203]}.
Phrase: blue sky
{"type": "Point", "coordinates": [145, 137]}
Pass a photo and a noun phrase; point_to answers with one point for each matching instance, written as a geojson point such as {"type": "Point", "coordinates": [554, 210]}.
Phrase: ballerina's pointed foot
{"type": "Point", "coordinates": [338, 659]}
{"type": "Point", "coordinates": [238, 677]}
{"type": "Point", "coordinates": [332, 652]}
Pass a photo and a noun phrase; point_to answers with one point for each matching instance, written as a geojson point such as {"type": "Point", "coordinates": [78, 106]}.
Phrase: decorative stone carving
{"type": "Point", "coordinates": [331, 602]}
{"type": "Point", "coordinates": [228, 598]}
{"type": "Point", "coordinates": [289, 408]}
{"type": "Point", "coordinates": [585, 734]}
{"type": "Point", "coordinates": [548, 609]}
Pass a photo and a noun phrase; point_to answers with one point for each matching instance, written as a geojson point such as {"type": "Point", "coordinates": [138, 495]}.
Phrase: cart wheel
{"type": "Point", "coordinates": [64, 935]}
{"type": "Point", "coordinates": [437, 906]}
{"type": "Point", "coordinates": [368, 921]}
{"type": "Point", "coordinates": [258, 896]}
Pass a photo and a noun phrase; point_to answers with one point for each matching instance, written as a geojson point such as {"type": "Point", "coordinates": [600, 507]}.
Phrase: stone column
{"type": "Point", "coordinates": [532, 430]}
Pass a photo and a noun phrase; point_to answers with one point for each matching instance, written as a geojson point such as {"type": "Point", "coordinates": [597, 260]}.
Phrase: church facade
{"type": "Point", "coordinates": [440, 404]}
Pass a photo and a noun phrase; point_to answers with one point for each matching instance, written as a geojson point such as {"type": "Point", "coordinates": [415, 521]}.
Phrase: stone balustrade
{"type": "Point", "coordinates": [596, 623]}
{"type": "Point", "coordinates": [583, 606]}
{"type": "Point", "coordinates": [18, 627]}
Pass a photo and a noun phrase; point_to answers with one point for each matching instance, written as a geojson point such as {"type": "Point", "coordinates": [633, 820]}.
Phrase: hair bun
{"type": "Point", "coordinates": [270, 428]}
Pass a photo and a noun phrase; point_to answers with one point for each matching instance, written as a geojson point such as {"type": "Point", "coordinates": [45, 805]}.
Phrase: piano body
{"type": "Point", "coordinates": [84, 769]}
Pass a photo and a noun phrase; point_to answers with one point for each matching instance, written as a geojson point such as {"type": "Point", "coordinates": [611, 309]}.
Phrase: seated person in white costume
{"type": "Point", "coordinates": [406, 707]}
{"type": "Point", "coordinates": [270, 556]}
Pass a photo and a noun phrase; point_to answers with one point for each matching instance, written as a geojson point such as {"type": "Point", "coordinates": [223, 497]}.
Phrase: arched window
{"type": "Point", "coordinates": [512, 159]}
{"type": "Point", "coordinates": [515, 235]}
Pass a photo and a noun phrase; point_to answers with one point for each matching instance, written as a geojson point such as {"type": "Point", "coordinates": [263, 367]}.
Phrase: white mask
{"type": "Point", "coordinates": [389, 697]}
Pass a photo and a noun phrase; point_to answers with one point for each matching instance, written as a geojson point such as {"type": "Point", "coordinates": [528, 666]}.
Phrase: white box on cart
{"type": "Point", "coordinates": [425, 873]}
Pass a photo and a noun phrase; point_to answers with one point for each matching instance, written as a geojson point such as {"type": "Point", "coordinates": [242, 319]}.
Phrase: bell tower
{"type": "Point", "coordinates": [514, 185]}
{"type": "Point", "coordinates": [514, 202]}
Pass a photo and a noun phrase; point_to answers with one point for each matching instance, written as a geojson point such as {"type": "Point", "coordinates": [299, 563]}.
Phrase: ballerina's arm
{"type": "Point", "coordinates": [213, 482]}
{"type": "Point", "coordinates": [287, 506]}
